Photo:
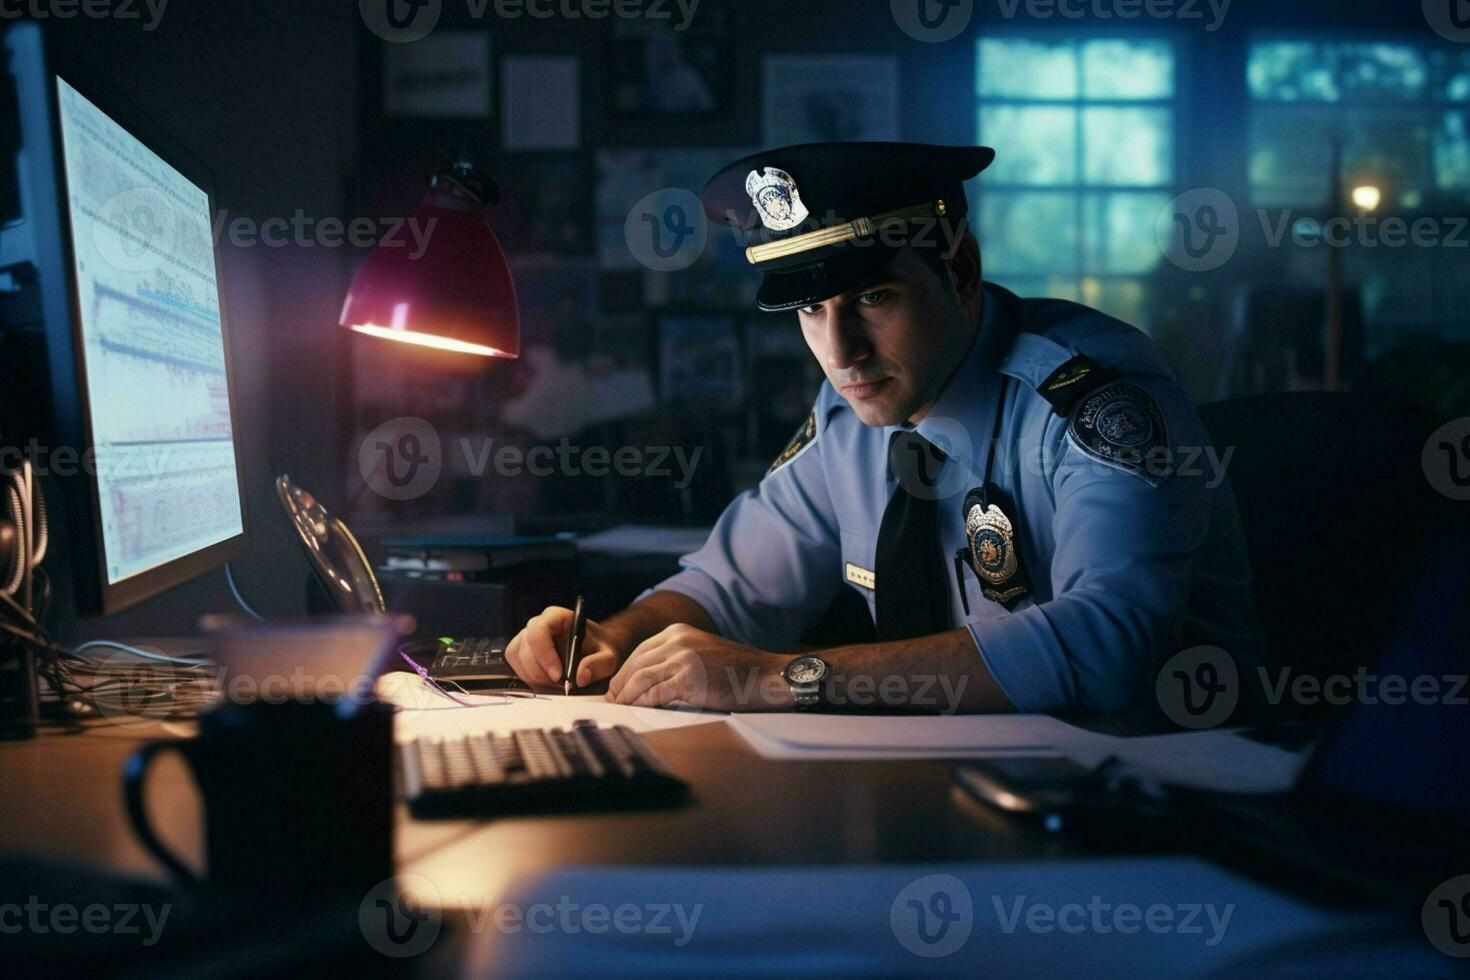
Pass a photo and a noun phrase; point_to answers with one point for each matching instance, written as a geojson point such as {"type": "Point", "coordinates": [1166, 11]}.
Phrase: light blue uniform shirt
{"type": "Point", "coordinates": [1127, 564]}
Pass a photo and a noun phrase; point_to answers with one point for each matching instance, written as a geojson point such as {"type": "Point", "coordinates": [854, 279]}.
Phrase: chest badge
{"type": "Point", "coordinates": [775, 196]}
{"type": "Point", "coordinates": [992, 549]}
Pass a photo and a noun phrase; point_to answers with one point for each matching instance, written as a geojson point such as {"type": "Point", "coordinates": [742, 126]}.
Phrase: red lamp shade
{"type": "Point", "coordinates": [440, 278]}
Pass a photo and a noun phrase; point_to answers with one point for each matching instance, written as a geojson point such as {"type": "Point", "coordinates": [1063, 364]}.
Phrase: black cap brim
{"type": "Point", "coordinates": [816, 282]}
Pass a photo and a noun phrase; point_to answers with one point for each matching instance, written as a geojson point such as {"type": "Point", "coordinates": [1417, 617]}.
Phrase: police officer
{"type": "Point", "coordinates": [1019, 489]}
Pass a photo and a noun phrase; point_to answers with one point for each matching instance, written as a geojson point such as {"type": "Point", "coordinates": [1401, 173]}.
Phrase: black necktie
{"type": "Point", "coordinates": [912, 583]}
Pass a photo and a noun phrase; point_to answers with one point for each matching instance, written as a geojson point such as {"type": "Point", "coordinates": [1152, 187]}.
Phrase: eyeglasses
{"type": "Point", "coordinates": [422, 672]}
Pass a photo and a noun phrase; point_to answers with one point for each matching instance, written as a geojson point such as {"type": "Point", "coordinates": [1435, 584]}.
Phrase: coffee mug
{"type": "Point", "coordinates": [298, 798]}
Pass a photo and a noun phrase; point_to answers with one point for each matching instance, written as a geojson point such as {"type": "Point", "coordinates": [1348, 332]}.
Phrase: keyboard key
{"type": "Point", "coordinates": [534, 768]}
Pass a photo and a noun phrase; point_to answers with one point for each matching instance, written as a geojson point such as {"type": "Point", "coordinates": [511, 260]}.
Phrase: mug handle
{"type": "Point", "coordinates": [134, 776]}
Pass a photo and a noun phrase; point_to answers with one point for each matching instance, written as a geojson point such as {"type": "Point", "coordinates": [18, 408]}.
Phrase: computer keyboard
{"type": "Point", "coordinates": [473, 659]}
{"type": "Point", "coordinates": [535, 769]}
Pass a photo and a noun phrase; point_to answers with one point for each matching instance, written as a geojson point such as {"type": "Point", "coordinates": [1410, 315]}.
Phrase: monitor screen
{"type": "Point", "coordinates": [152, 345]}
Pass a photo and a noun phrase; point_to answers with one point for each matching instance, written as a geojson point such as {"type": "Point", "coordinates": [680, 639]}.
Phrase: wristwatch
{"type": "Point", "coordinates": [806, 676]}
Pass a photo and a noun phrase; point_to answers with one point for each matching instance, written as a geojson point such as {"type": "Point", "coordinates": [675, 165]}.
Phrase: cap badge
{"type": "Point", "coordinates": [775, 196]}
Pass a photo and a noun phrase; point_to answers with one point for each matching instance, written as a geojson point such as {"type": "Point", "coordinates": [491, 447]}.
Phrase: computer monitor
{"type": "Point", "coordinates": [118, 222]}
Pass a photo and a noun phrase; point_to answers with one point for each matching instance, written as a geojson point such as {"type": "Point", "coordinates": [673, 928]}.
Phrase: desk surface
{"type": "Point", "coordinates": [60, 796]}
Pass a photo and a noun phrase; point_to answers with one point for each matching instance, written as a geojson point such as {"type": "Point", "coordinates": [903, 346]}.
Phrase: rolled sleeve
{"type": "Point", "coordinates": [1120, 582]}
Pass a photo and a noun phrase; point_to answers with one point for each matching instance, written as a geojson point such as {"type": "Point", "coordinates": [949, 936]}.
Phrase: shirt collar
{"type": "Point", "coordinates": [963, 415]}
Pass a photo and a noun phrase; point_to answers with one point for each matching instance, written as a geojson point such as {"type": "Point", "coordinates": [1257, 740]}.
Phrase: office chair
{"type": "Point", "coordinates": [1435, 374]}
{"type": "Point", "coordinates": [1342, 525]}
{"type": "Point", "coordinates": [1277, 335]}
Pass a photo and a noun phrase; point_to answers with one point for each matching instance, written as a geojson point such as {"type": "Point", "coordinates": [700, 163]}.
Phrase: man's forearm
{"type": "Point", "coordinates": [943, 673]}
{"type": "Point", "coordinates": [657, 612]}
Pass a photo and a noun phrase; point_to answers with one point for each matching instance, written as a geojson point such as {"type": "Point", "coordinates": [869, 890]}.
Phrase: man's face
{"type": "Point", "coordinates": [889, 346]}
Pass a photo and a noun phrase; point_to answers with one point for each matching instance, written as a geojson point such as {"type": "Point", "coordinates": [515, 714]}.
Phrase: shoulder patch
{"type": "Point", "coordinates": [1072, 381]}
{"type": "Point", "coordinates": [803, 438]}
{"type": "Point", "coordinates": [1120, 424]}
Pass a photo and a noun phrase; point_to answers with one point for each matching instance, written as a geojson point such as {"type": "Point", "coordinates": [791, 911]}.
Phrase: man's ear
{"type": "Point", "coordinates": [964, 269]}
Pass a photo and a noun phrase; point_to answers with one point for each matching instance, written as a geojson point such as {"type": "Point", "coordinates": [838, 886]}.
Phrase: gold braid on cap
{"type": "Point", "coordinates": [845, 232]}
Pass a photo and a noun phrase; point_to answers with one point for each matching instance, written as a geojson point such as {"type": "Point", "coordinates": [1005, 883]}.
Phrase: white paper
{"type": "Point", "coordinates": [430, 714]}
{"type": "Point", "coordinates": [1222, 761]}
{"type": "Point", "coordinates": [802, 732]}
{"type": "Point", "coordinates": [770, 748]}
{"type": "Point", "coordinates": [879, 920]}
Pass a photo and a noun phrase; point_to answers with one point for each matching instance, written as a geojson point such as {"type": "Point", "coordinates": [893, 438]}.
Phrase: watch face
{"type": "Point", "coordinates": [807, 670]}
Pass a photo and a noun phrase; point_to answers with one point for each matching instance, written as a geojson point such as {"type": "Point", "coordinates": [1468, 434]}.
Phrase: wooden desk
{"type": "Point", "coordinates": [60, 797]}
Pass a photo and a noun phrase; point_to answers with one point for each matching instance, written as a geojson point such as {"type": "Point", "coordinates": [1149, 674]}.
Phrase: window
{"type": "Point", "coordinates": [1398, 110]}
{"type": "Point", "coordinates": [1084, 131]}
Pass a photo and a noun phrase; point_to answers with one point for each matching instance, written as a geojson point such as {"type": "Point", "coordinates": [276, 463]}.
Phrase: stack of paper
{"type": "Point", "coordinates": [1224, 761]}
{"type": "Point", "coordinates": [813, 736]}
{"type": "Point", "coordinates": [427, 712]}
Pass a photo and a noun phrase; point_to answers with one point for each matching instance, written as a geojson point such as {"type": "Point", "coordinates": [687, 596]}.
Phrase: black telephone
{"type": "Point", "coordinates": [343, 570]}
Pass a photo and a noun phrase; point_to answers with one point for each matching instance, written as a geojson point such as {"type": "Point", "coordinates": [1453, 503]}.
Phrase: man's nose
{"type": "Point", "coordinates": [847, 343]}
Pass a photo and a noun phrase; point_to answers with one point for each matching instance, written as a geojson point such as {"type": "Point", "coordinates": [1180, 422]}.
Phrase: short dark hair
{"type": "Point", "coordinates": [936, 258]}
{"type": "Point", "coordinates": [938, 250]}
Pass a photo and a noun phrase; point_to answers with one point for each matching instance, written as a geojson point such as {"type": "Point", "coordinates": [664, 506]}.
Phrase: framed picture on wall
{"type": "Point", "coordinates": [699, 361]}
{"type": "Point", "coordinates": [784, 378]}
{"type": "Point", "coordinates": [443, 76]}
{"type": "Point", "coordinates": [816, 98]}
{"type": "Point", "coordinates": [720, 277]}
{"type": "Point", "coordinates": [668, 68]}
{"type": "Point", "coordinates": [541, 102]}
{"type": "Point", "coordinates": [545, 203]}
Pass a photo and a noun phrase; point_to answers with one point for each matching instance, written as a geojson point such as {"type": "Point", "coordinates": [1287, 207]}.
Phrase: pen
{"type": "Point", "coordinates": [574, 645]}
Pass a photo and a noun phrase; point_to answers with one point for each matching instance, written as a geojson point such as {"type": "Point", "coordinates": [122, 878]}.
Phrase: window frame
{"type": "Point", "coordinates": [1088, 280]}
{"type": "Point", "coordinates": [1428, 109]}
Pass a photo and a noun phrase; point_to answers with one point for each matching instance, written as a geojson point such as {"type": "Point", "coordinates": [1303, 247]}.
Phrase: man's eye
{"type": "Point", "coordinates": [873, 298]}
{"type": "Point", "coordinates": [809, 310]}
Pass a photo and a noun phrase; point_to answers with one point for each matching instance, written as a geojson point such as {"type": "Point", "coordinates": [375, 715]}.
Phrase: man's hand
{"type": "Point", "coordinates": [537, 653]}
{"type": "Point", "coordinates": [691, 666]}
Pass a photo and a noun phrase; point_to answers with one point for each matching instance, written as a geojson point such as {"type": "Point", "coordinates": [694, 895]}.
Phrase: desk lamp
{"type": "Point", "coordinates": [458, 294]}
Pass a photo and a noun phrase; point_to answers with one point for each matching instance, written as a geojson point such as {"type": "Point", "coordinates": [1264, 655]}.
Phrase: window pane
{"type": "Point", "coordinates": [1126, 299]}
{"type": "Point", "coordinates": [1128, 69]}
{"type": "Point", "coordinates": [1027, 69]}
{"type": "Point", "coordinates": [1050, 287]}
{"type": "Point", "coordinates": [1382, 71]}
{"type": "Point", "coordinates": [1118, 232]}
{"type": "Point", "coordinates": [1034, 145]}
{"type": "Point", "coordinates": [1128, 147]}
{"type": "Point", "coordinates": [1291, 155]}
{"type": "Point", "coordinates": [1028, 233]}
{"type": "Point", "coordinates": [1298, 71]}
{"type": "Point", "coordinates": [1290, 70]}
{"type": "Point", "coordinates": [1392, 151]}
{"type": "Point", "coordinates": [1451, 75]}
{"type": "Point", "coordinates": [1452, 153]}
